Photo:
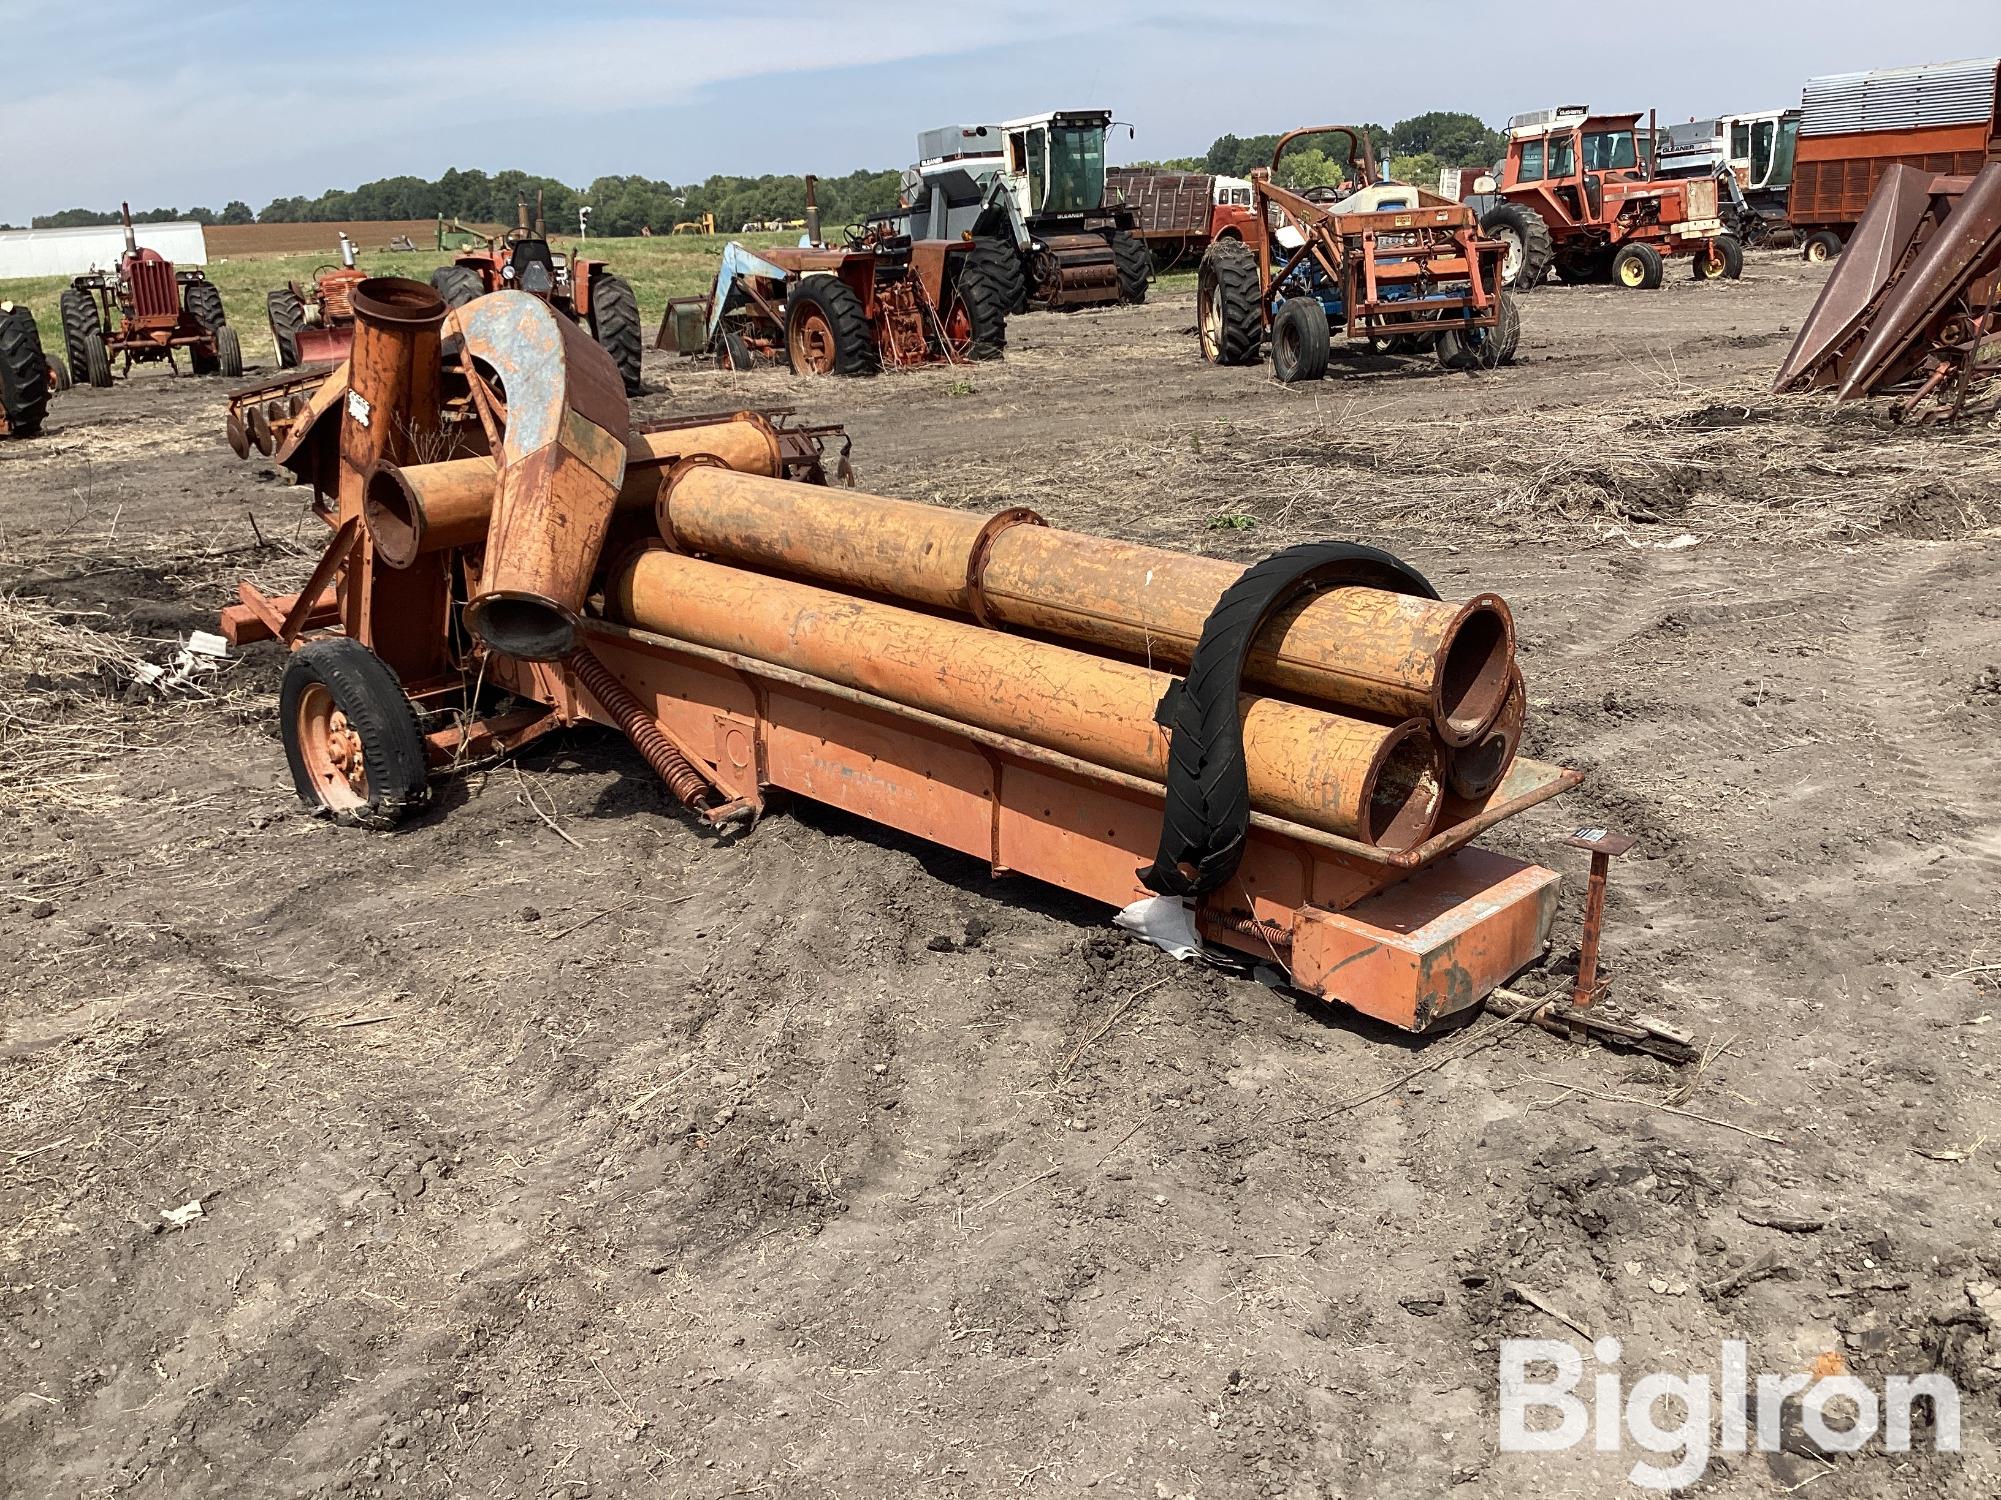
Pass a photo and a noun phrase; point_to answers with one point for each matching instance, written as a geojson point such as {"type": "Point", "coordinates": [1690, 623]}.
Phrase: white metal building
{"type": "Point", "coordinates": [71, 252]}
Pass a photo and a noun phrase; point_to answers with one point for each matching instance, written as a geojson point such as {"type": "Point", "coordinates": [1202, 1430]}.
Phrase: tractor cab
{"type": "Point", "coordinates": [1055, 163]}
{"type": "Point", "coordinates": [1565, 156]}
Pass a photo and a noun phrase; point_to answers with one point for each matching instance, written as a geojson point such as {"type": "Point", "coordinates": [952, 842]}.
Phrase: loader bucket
{"type": "Point", "coordinates": [1867, 265]}
{"type": "Point", "coordinates": [1960, 250]}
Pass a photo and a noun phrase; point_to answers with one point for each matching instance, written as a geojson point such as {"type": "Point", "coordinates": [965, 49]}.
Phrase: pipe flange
{"type": "Point", "coordinates": [663, 504]}
{"type": "Point", "coordinates": [982, 548]}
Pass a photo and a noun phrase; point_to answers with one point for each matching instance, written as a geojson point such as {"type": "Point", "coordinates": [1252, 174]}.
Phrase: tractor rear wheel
{"type": "Point", "coordinates": [1483, 348]}
{"type": "Point", "coordinates": [79, 321]}
{"type": "Point", "coordinates": [1530, 249]}
{"type": "Point", "coordinates": [1726, 261]}
{"type": "Point", "coordinates": [458, 285]}
{"type": "Point", "coordinates": [202, 302]}
{"type": "Point", "coordinates": [615, 325]}
{"type": "Point", "coordinates": [1227, 314]}
{"type": "Point", "coordinates": [24, 371]}
{"type": "Point", "coordinates": [96, 361]}
{"type": "Point", "coordinates": [288, 319]}
{"type": "Point", "coordinates": [1135, 266]}
{"type": "Point", "coordinates": [1003, 262]}
{"type": "Point", "coordinates": [350, 735]}
{"type": "Point", "coordinates": [1820, 247]}
{"type": "Point", "coordinates": [826, 331]}
{"type": "Point", "coordinates": [1637, 267]}
{"type": "Point", "coordinates": [976, 309]}
{"type": "Point", "coordinates": [1300, 341]}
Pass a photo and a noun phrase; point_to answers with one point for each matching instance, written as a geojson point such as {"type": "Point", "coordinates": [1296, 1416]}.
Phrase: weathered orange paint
{"type": "Point", "coordinates": [1372, 782]}
{"type": "Point", "coordinates": [1384, 654]}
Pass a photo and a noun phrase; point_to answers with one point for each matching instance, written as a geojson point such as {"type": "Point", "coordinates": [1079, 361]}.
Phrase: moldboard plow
{"type": "Point", "coordinates": [511, 555]}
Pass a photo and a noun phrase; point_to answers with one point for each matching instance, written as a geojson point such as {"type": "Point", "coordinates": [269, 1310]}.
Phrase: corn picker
{"type": "Point", "coordinates": [142, 313]}
{"type": "Point", "coordinates": [1391, 266]}
{"type": "Point", "coordinates": [1305, 789]}
{"type": "Point", "coordinates": [882, 301]}
{"type": "Point", "coordinates": [1913, 305]}
{"type": "Point", "coordinates": [583, 290]}
{"type": "Point", "coordinates": [312, 322]}
{"type": "Point", "coordinates": [28, 377]}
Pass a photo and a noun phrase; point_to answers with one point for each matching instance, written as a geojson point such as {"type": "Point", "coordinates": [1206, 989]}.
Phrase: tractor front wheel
{"type": "Point", "coordinates": [976, 309]}
{"type": "Point", "coordinates": [96, 361]}
{"type": "Point", "coordinates": [1721, 259]}
{"type": "Point", "coordinates": [288, 319]}
{"type": "Point", "coordinates": [350, 735]}
{"type": "Point", "coordinates": [80, 321]}
{"type": "Point", "coordinates": [1300, 340]}
{"type": "Point", "coordinates": [1135, 266]}
{"type": "Point", "coordinates": [228, 354]}
{"type": "Point", "coordinates": [615, 325]}
{"type": "Point", "coordinates": [1227, 315]}
{"type": "Point", "coordinates": [1637, 267]}
{"type": "Point", "coordinates": [732, 353]}
{"type": "Point", "coordinates": [1483, 348]}
{"type": "Point", "coordinates": [24, 371]}
{"type": "Point", "coordinates": [1530, 249]}
{"type": "Point", "coordinates": [826, 331]}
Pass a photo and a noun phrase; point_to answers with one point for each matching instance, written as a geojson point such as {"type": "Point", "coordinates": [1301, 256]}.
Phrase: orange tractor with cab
{"type": "Point", "coordinates": [1578, 195]}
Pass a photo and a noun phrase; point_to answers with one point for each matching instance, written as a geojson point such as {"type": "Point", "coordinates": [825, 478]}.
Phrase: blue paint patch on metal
{"type": "Point", "coordinates": [738, 262]}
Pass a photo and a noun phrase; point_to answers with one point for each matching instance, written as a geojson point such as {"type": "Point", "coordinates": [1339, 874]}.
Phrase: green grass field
{"type": "Point", "coordinates": [659, 267]}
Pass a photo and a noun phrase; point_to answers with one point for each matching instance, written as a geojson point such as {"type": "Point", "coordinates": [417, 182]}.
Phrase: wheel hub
{"type": "Point", "coordinates": [331, 747]}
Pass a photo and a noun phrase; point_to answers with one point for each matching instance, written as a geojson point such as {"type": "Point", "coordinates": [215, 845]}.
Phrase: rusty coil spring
{"type": "Point", "coordinates": [683, 780]}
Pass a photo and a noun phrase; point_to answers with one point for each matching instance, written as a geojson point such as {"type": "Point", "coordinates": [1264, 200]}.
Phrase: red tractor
{"type": "Point", "coordinates": [315, 323]}
{"type": "Point", "coordinates": [27, 377]}
{"type": "Point", "coordinates": [583, 290]}
{"type": "Point", "coordinates": [1579, 196]}
{"type": "Point", "coordinates": [150, 310]}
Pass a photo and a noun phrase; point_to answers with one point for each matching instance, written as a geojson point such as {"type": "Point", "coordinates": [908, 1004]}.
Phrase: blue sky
{"type": "Point", "coordinates": [201, 102]}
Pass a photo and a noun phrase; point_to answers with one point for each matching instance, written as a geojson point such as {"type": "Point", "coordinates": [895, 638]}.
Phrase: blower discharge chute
{"type": "Point", "coordinates": [1295, 758]}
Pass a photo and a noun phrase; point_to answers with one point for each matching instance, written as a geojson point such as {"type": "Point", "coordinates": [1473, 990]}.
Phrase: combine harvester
{"type": "Point", "coordinates": [1307, 793]}
{"type": "Point", "coordinates": [1390, 265]}
{"type": "Point", "coordinates": [1914, 303]}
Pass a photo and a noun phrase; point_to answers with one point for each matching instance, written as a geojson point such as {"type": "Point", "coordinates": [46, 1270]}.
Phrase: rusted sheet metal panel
{"type": "Point", "coordinates": [1962, 250]}
{"type": "Point", "coordinates": [1954, 93]}
{"type": "Point", "coordinates": [1874, 252]}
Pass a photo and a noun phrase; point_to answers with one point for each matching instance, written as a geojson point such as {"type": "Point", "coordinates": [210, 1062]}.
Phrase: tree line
{"type": "Point", "coordinates": [1415, 148]}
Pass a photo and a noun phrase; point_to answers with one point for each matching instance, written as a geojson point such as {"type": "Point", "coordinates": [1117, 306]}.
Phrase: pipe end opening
{"type": "Point", "coordinates": [522, 626]}
{"type": "Point", "coordinates": [1473, 679]}
{"type": "Point", "coordinates": [1406, 796]}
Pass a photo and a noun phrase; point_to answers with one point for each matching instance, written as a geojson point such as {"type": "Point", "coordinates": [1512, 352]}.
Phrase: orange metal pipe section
{"type": "Point", "coordinates": [420, 508]}
{"type": "Point", "coordinates": [1381, 653]}
{"type": "Point", "coordinates": [1372, 782]}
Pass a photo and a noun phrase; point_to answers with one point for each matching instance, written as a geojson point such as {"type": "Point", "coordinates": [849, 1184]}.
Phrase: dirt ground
{"type": "Point", "coordinates": [552, 1147]}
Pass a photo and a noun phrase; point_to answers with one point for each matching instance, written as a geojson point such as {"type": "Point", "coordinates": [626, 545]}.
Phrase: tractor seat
{"type": "Point", "coordinates": [534, 268]}
{"type": "Point", "coordinates": [1382, 198]}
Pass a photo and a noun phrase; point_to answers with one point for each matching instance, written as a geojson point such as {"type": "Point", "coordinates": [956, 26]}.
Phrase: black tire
{"type": "Point", "coordinates": [1531, 250]}
{"type": "Point", "coordinates": [228, 354]}
{"type": "Point", "coordinates": [1730, 253]}
{"type": "Point", "coordinates": [1300, 341]}
{"type": "Point", "coordinates": [365, 693]}
{"type": "Point", "coordinates": [1228, 319]}
{"type": "Point", "coordinates": [1821, 246]}
{"type": "Point", "coordinates": [1003, 261]}
{"type": "Point", "coordinates": [732, 353]}
{"type": "Point", "coordinates": [1584, 270]}
{"type": "Point", "coordinates": [983, 297]}
{"type": "Point", "coordinates": [828, 298]}
{"type": "Point", "coordinates": [1637, 267]}
{"type": "Point", "coordinates": [80, 320]}
{"type": "Point", "coordinates": [1135, 266]}
{"type": "Point", "coordinates": [288, 319]}
{"type": "Point", "coordinates": [59, 373]}
{"type": "Point", "coordinates": [203, 302]}
{"type": "Point", "coordinates": [96, 361]}
{"type": "Point", "coordinates": [458, 285]}
{"type": "Point", "coordinates": [615, 325]}
{"type": "Point", "coordinates": [1487, 348]}
{"type": "Point", "coordinates": [24, 372]}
